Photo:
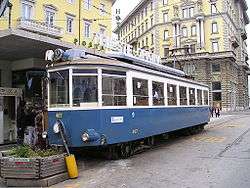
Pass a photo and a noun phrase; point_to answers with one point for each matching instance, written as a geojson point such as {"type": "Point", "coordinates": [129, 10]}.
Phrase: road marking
{"type": "Point", "coordinates": [210, 139]}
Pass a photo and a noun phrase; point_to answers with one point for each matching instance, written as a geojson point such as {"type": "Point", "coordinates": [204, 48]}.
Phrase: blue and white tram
{"type": "Point", "coordinates": [112, 101]}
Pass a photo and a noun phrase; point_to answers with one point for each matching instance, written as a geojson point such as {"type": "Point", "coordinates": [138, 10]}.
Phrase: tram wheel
{"type": "Point", "coordinates": [126, 150]}
{"type": "Point", "coordinates": [113, 153]}
{"type": "Point", "coordinates": [150, 141]}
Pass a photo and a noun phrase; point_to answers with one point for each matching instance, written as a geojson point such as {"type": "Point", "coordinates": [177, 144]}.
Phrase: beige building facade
{"type": "Point", "coordinates": [206, 39]}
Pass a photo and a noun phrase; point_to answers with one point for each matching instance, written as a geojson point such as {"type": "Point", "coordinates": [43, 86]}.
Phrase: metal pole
{"type": "Point", "coordinates": [79, 22]}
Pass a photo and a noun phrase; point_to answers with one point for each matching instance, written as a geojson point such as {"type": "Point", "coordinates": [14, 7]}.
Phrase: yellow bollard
{"type": "Point", "coordinates": [71, 166]}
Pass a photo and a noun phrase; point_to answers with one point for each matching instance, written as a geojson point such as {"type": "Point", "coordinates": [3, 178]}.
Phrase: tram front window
{"type": "Point", "coordinates": [59, 89]}
{"type": "Point", "coordinates": [85, 92]}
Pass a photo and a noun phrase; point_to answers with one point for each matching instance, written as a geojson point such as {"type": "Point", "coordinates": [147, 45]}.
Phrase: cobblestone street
{"type": "Point", "coordinates": [218, 157]}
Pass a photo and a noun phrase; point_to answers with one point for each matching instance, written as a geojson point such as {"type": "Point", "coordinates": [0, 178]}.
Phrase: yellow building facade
{"type": "Point", "coordinates": [73, 21]}
{"type": "Point", "coordinates": [205, 39]}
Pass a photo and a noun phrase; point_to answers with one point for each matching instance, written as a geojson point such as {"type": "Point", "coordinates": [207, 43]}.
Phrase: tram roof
{"type": "Point", "coordinates": [92, 60]}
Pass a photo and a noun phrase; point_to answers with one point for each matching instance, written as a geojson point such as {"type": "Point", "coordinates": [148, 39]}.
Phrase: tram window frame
{"type": "Point", "coordinates": [199, 97]}
{"type": "Point", "coordinates": [115, 95]}
{"type": "Point", "coordinates": [140, 94]}
{"type": "Point", "coordinates": [172, 94]}
{"type": "Point", "coordinates": [158, 93]}
{"type": "Point", "coordinates": [84, 73]}
{"type": "Point", "coordinates": [192, 96]}
{"type": "Point", "coordinates": [183, 95]}
{"type": "Point", "coordinates": [66, 98]}
{"type": "Point", "coordinates": [206, 97]}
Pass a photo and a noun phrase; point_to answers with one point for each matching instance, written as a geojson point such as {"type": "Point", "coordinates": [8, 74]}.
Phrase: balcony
{"type": "Point", "coordinates": [198, 56]}
{"type": "Point", "coordinates": [235, 42]}
{"type": "Point", "coordinates": [41, 28]}
{"type": "Point", "coordinates": [243, 34]}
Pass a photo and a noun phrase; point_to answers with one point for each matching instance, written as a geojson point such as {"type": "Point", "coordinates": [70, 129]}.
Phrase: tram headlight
{"type": "Point", "coordinates": [56, 127]}
{"type": "Point", "coordinates": [85, 137]}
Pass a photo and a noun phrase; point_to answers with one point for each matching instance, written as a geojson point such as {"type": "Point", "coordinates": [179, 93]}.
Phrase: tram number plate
{"type": "Point", "coordinates": [117, 119]}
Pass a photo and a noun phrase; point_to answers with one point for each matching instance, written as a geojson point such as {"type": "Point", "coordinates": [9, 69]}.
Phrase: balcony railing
{"type": "Point", "coordinates": [40, 27]}
{"type": "Point", "coordinates": [197, 56]}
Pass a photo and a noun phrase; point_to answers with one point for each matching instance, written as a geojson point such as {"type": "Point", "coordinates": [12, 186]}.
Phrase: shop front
{"type": "Point", "coordinates": [9, 102]}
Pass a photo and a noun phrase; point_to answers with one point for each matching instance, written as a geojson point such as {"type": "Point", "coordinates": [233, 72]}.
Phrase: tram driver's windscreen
{"type": "Point", "coordinates": [59, 89]}
{"type": "Point", "coordinates": [85, 91]}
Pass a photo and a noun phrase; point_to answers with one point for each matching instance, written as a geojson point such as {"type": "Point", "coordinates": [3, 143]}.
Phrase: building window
{"type": "Point", "coordinates": [142, 14]}
{"type": "Point", "coordinates": [216, 96]}
{"type": "Point", "coordinates": [205, 94]}
{"type": "Point", "coordinates": [193, 30]}
{"type": "Point", "coordinates": [146, 11]}
{"type": "Point", "coordinates": [151, 5]}
{"type": "Point", "coordinates": [152, 39]}
{"type": "Point", "coordinates": [146, 25]}
{"type": "Point", "coordinates": [142, 28]}
{"type": "Point", "coordinates": [140, 92]}
{"type": "Point", "coordinates": [191, 96]}
{"type": "Point", "coordinates": [172, 97]}
{"type": "Point", "coordinates": [152, 22]}
{"type": "Point", "coordinates": [165, 37]}
{"type": "Point", "coordinates": [158, 93]}
{"type": "Point", "coordinates": [199, 97]}
{"type": "Point", "coordinates": [87, 29]}
{"type": "Point", "coordinates": [102, 31]}
{"type": "Point", "coordinates": [215, 46]}
{"type": "Point", "coordinates": [87, 4]}
{"type": "Point", "coordinates": [27, 10]}
{"type": "Point", "coordinates": [70, 24]}
{"type": "Point", "coordinates": [50, 17]}
{"type": "Point", "coordinates": [185, 13]}
{"type": "Point", "coordinates": [165, 17]}
{"type": "Point", "coordinates": [166, 52]}
{"type": "Point", "coordinates": [146, 41]}
{"type": "Point", "coordinates": [191, 12]}
{"type": "Point", "coordinates": [183, 95]}
{"type": "Point", "coordinates": [139, 31]}
{"type": "Point", "coordinates": [165, 2]}
{"type": "Point", "coordinates": [215, 67]}
{"type": "Point", "coordinates": [213, 8]}
{"type": "Point", "coordinates": [184, 32]}
{"type": "Point", "coordinates": [216, 86]}
{"type": "Point", "coordinates": [114, 91]}
{"type": "Point", "coordinates": [214, 27]}
{"type": "Point", "coordinates": [102, 9]}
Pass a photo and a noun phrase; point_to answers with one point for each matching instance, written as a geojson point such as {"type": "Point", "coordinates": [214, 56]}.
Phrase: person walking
{"type": "Point", "coordinates": [211, 111]}
{"type": "Point", "coordinates": [217, 112]}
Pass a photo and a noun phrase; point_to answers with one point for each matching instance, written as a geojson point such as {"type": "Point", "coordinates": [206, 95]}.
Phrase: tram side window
{"type": "Point", "coordinates": [158, 93]}
{"type": "Point", "coordinates": [85, 91]}
{"type": "Point", "coordinates": [205, 93]}
{"type": "Point", "coordinates": [183, 95]}
{"type": "Point", "coordinates": [59, 89]}
{"type": "Point", "coordinates": [199, 97]}
{"type": "Point", "coordinates": [172, 98]}
{"type": "Point", "coordinates": [191, 96]}
{"type": "Point", "coordinates": [114, 91]}
{"type": "Point", "coordinates": [140, 92]}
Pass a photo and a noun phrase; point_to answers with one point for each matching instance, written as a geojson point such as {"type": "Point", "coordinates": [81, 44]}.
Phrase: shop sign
{"type": "Point", "coordinates": [10, 91]}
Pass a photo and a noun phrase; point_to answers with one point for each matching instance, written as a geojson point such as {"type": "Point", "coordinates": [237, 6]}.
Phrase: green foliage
{"type": "Point", "coordinates": [28, 152]}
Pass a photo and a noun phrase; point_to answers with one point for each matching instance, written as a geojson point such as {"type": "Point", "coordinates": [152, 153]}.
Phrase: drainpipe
{"type": "Point", "coordinates": [79, 22]}
{"type": "Point", "coordinates": [10, 10]}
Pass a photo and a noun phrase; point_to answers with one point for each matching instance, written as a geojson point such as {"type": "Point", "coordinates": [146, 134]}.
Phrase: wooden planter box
{"type": "Point", "coordinates": [28, 169]}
